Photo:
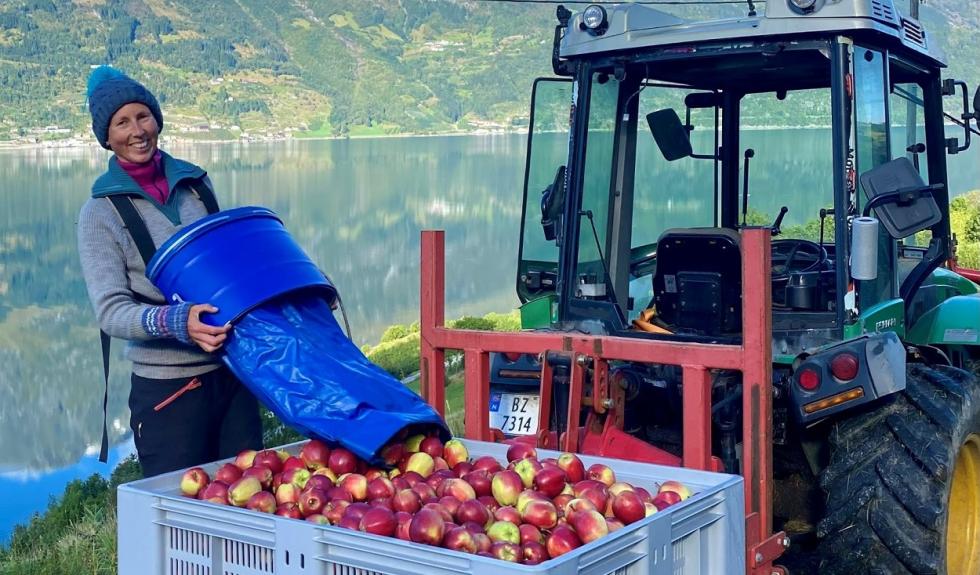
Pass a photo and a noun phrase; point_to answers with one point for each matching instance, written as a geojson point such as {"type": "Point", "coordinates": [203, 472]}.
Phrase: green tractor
{"type": "Point", "coordinates": [643, 166]}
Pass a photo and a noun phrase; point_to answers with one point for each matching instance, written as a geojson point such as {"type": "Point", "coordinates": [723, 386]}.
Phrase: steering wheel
{"type": "Point", "coordinates": [795, 255]}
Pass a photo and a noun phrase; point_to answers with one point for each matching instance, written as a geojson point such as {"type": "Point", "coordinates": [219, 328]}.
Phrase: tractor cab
{"type": "Point", "coordinates": [657, 146]}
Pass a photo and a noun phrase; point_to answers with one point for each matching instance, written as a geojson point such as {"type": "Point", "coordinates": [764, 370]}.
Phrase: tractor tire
{"type": "Point", "coordinates": [890, 475]}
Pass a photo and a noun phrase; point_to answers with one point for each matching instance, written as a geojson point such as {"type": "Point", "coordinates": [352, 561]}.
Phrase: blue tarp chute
{"type": "Point", "coordinates": [286, 345]}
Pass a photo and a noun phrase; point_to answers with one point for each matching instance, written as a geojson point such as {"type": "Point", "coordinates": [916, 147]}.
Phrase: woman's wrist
{"type": "Point", "coordinates": [168, 321]}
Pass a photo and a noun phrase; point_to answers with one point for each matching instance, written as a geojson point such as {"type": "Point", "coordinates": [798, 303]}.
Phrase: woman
{"type": "Point", "coordinates": [186, 407]}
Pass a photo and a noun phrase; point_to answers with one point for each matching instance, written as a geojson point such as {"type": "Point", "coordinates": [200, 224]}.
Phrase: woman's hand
{"type": "Point", "coordinates": [207, 337]}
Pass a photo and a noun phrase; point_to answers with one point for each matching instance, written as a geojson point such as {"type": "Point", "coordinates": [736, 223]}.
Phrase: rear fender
{"type": "Point", "coordinates": [955, 321]}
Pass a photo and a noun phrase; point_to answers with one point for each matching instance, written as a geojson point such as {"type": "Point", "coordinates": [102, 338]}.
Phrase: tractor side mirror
{"type": "Point", "coordinates": [976, 106]}
{"type": "Point", "coordinates": [902, 201]}
{"type": "Point", "coordinates": [670, 134]}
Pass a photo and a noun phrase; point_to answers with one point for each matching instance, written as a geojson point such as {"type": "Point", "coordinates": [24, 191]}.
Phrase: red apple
{"type": "Point", "coordinates": [533, 553]}
{"type": "Point", "coordinates": [644, 494]}
{"type": "Point", "coordinates": [614, 524]}
{"type": "Point", "coordinates": [541, 514]}
{"type": "Point", "coordinates": [550, 481]}
{"type": "Point", "coordinates": [577, 504]}
{"type": "Point", "coordinates": [422, 463]}
{"type": "Point", "coordinates": [562, 540]}
{"type": "Point", "coordinates": [318, 519]}
{"type": "Point", "coordinates": [483, 542]}
{"type": "Point", "coordinates": [504, 531]}
{"type": "Point", "coordinates": [312, 501]}
{"type": "Point", "coordinates": [341, 461]}
{"type": "Point", "coordinates": [480, 480]}
{"type": "Point", "coordinates": [598, 496]}
{"type": "Point", "coordinates": [488, 463]}
{"type": "Point", "coordinates": [588, 525]}
{"type": "Point", "coordinates": [424, 491]}
{"type": "Point", "coordinates": [228, 473]}
{"type": "Point", "coordinates": [392, 454]}
{"type": "Point", "coordinates": [489, 502]}
{"type": "Point", "coordinates": [444, 513]}
{"type": "Point", "coordinates": [572, 466]}
{"type": "Point", "coordinates": [297, 476]}
{"type": "Point", "coordinates": [520, 450]}
{"type": "Point", "coordinates": [334, 510]}
{"type": "Point", "coordinates": [619, 487]}
{"type": "Point", "coordinates": [459, 489]}
{"type": "Point", "coordinates": [380, 487]}
{"type": "Point", "coordinates": [508, 514]}
{"type": "Point", "coordinates": [347, 522]}
{"type": "Point", "coordinates": [427, 527]}
{"type": "Point", "coordinates": [290, 510]}
{"type": "Point", "coordinates": [527, 468]}
{"type": "Point", "coordinates": [262, 501]}
{"type": "Point", "coordinates": [240, 491]}
{"type": "Point", "coordinates": [506, 487]}
{"type": "Point", "coordinates": [216, 492]}
{"type": "Point", "coordinates": [628, 507]}
{"type": "Point", "coordinates": [315, 454]}
{"type": "Point", "coordinates": [412, 443]}
{"type": "Point", "coordinates": [462, 468]}
{"type": "Point", "coordinates": [245, 458]}
{"type": "Point", "coordinates": [412, 477]}
{"type": "Point", "coordinates": [287, 493]}
{"type": "Point", "coordinates": [460, 539]}
{"type": "Point", "coordinates": [450, 504]}
{"type": "Point", "coordinates": [527, 496]}
{"type": "Point", "coordinates": [473, 510]}
{"type": "Point", "coordinates": [665, 499]}
{"type": "Point", "coordinates": [432, 446]}
{"type": "Point", "coordinates": [293, 462]}
{"type": "Point", "coordinates": [507, 551]}
{"type": "Point", "coordinates": [268, 458]}
{"type": "Point", "coordinates": [355, 484]}
{"type": "Point", "coordinates": [406, 500]}
{"type": "Point", "coordinates": [602, 473]}
{"type": "Point", "coordinates": [677, 487]}
{"type": "Point", "coordinates": [319, 481]}
{"type": "Point", "coordinates": [262, 473]}
{"type": "Point", "coordinates": [379, 521]}
{"type": "Point", "coordinates": [530, 533]}
{"type": "Point", "coordinates": [404, 521]}
{"type": "Point", "coordinates": [193, 481]}
{"type": "Point", "coordinates": [455, 452]}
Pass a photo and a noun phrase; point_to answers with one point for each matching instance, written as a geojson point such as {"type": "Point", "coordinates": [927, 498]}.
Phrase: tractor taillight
{"type": "Point", "coordinates": [808, 379]}
{"type": "Point", "coordinates": [844, 366]}
{"type": "Point", "coordinates": [512, 356]}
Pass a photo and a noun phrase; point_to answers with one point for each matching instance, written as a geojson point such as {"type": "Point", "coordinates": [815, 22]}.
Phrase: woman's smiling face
{"type": "Point", "coordinates": [133, 133]}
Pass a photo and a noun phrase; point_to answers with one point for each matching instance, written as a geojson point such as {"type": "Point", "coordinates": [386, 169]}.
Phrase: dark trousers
{"type": "Point", "coordinates": [214, 421]}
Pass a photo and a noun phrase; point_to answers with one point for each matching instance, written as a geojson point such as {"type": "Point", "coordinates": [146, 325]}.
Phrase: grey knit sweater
{"type": "Point", "coordinates": [115, 275]}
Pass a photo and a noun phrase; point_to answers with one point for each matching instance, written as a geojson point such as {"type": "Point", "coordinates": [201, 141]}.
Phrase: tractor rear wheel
{"type": "Point", "coordinates": [903, 482]}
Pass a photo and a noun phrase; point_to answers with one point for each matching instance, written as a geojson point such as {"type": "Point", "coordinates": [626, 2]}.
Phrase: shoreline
{"type": "Point", "coordinates": [76, 143]}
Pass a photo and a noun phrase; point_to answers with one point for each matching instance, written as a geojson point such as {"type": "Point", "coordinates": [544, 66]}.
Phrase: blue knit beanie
{"type": "Point", "coordinates": [108, 90]}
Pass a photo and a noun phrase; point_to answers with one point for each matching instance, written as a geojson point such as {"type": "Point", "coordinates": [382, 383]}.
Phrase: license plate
{"type": "Point", "coordinates": [514, 413]}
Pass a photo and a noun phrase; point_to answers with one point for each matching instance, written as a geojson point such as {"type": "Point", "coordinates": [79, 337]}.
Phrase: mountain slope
{"type": "Point", "coordinates": [326, 67]}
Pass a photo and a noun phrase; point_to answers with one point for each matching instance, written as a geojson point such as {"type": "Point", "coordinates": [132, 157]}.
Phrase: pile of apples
{"type": "Point", "coordinates": [528, 511]}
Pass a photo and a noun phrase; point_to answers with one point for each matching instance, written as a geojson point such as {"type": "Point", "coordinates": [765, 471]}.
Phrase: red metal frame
{"type": "Point", "coordinates": [753, 358]}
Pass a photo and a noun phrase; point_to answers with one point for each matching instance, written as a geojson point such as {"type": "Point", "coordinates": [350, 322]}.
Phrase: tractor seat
{"type": "Point", "coordinates": [698, 283]}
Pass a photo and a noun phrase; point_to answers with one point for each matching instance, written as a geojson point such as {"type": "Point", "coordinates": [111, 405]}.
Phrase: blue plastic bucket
{"type": "Point", "coordinates": [234, 260]}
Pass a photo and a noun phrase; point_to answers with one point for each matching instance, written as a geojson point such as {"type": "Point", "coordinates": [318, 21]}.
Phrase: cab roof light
{"type": "Point", "coordinates": [595, 20]}
{"type": "Point", "coordinates": [803, 6]}
{"type": "Point", "coordinates": [833, 400]}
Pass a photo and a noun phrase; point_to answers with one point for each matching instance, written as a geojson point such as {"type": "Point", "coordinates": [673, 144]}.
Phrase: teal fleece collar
{"type": "Point", "coordinates": [116, 182]}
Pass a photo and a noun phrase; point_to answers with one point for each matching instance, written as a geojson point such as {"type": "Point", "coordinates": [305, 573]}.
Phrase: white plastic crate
{"type": "Point", "coordinates": [163, 533]}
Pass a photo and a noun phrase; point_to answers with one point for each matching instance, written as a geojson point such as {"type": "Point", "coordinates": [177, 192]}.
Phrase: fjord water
{"type": "Point", "coordinates": [356, 206]}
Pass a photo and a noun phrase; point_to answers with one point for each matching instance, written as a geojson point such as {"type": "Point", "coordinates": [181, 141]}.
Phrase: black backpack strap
{"type": "Point", "coordinates": [137, 227]}
{"type": "Point", "coordinates": [106, 343]}
{"type": "Point", "coordinates": [206, 195]}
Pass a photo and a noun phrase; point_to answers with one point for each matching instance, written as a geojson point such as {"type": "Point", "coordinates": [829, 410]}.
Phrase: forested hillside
{"type": "Point", "coordinates": [314, 67]}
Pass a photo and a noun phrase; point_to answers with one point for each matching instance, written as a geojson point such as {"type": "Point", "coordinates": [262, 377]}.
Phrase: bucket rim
{"type": "Point", "coordinates": [196, 229]}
